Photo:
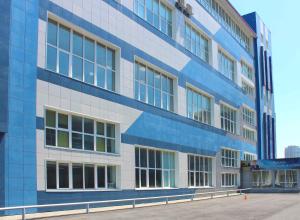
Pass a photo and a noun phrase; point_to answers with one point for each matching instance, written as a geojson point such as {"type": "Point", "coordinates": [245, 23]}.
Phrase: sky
{"type": "Point", "coordinates": [282, 18]}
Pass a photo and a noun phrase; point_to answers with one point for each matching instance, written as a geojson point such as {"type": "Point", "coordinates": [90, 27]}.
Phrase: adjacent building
{"type": "Point", "coordinates": [104, 99]}
{"type": "Point", "coordinates": [292, 152]}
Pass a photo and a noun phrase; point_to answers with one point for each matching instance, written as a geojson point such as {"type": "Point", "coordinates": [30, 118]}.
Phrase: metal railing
{"type": "Point", "coordinates": [165, 199]}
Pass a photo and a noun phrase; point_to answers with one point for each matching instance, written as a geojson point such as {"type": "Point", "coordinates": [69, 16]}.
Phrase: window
{"type": "Point", "coordinates": [261, 178]}
{"type": "Point", "coordinates": [215, 9]}
{"type": "Point", "coordinates": [199, 171]}
{"type": "Point", "coordinates": [249, 157]}
{"type": "Point", "coordinates": [228, 119]}
{"type": "Point", "coordinates": [247, 71]}
{"type": "Point", "coordinates": [226, 66]}
{"type": "Point", "coordinates": [229, 158]}
{"type": "Point", "coordinates": [196, 43]}
{"type": "Point", "coordinates": [249, 134]}
{"type": "Point", "coordinates": [229, 180]}
{"type": "Point", "coordinates": [249, 116]}
{"type": "Point", "coordinates": [83, 176]}
{"type": "Point", "coordinates": [198, 107]}
{"type": "Point", "coordinates": [248, 90]}
{"type": "Point", "coordinates": [91, 62]}
{"type": "Point", "coordinates": [154, 168]}
{"type": "Point", "coordinates": [156, 13]}
{"type": "Point", "coordinates": [71, 131]}
{"type": "Point", "coordinates": [286, 178]}
{"type": "Point", "coordinates": [153, 87]}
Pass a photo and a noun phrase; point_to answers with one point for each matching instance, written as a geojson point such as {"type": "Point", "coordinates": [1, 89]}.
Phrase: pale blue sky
{"type": "Point", "coordinates": [282, 18]}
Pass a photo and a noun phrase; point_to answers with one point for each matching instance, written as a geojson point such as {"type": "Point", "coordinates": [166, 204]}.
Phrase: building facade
{"type": "Point", "coordinates": [292, 152]}
{"type": "Point", "coordinates": [104, 99]}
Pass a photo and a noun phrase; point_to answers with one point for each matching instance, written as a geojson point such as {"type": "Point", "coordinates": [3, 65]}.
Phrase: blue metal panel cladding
{"type": "Point", "coordinates": [266, 76]}
{"type": "Point", "coordinates": [271, 74]}
{"type": "Point", "coordinates": [20, 140]}
{"type": "Point", "coordinates": [262, 66]}
{"type": "Point", "coordinates": [274, 138]}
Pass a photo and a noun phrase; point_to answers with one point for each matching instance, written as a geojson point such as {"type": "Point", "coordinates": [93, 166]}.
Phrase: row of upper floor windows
{"type": "Point", "coordinates": [159, 14]}
{"type": "Point", "coordinates": [77, 56]}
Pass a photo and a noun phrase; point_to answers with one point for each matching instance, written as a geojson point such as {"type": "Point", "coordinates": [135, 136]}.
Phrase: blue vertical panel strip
{"type": "Point", "coordinates": [264, 137]}
{"type": "Point", "coordinates": [271, 73]}
{"type": "Point", "coordinates": [262, 70]}
{"type": "Point", "coordinates": [20, 155]}
{"type": "Point", "coordinates": [269, 137]}
{"type": "Point", "coordinates": [2, 195]}
{"type": "Point", "coordinates": [266, 75]}
{"type": "Point", "coordinates": [4, 62]}
{"type": "Point", "coordinates": [274, 138]}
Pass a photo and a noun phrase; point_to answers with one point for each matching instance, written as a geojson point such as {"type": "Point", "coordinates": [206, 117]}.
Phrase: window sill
{"type": "Point", "coordinates": [80, 190]}
{"type": "Point", "coordinates": [154, 189]}
{"type": "Point", "coordinates": [82, 151]}
{"type": "Point", "coordinates": [201, 187]}
{"type": "Point", "coordinates": [229, 186]}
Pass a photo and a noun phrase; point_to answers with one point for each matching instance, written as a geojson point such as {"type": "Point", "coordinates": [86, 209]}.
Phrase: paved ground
{"type": "Point", "coordinates": [257, 206]}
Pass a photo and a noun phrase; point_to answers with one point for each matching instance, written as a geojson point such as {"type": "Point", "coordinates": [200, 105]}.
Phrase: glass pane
{"type": "Point", "coordinates": [137, 178]}
{"type": "Point", "coordinates": [111, 146]}
{"type": "Point", "coordinates": [143, 178]}
{"type": "Point", "coordinates": [110, 61]}
{"type": "Point", "coordinates": [151, 178]}
{"type": "Point", "coordinates": [62, 121]}
{"type": "Point", "coordinates": [110, 130]}
{"type": "Point", "coordinates": [100, 128]}
{"type": "Point", "coordinates": [101, 55]}
{"type": "Point", "coordinates": [166, 178]}
{"type": "Point", "coordinates": [50, 119]}
{"type": "Point", "coordinates": [110, 77]}
{"type": "Point", "coordinates": [88, 126]}
{"type": "Point", "coordinates": [158, 178]}
{"type": "Point", "coordinates": [64, 38]}
{"type": "Point", "coordinates": [89, 52]}
{"type": "Point", "coordinates": [157, 98]}
{"type": "Point", "coordinates": [88, 142]}
{"type": "Point", "coordinates": [51, 58]}
{"type": "Point", "coordinates": [151, 158]}
{"type": "Point", "coordinates": [62, 139]}
{"type": "Point", "coordinates": [76, 141]}
{"type": "Point", "coordinates": [77, 68]}
{"type": "Point", "coordinates": [77, 44]}
{"type": "Point", "coordinates": [158, 159]}
{"type": "Point", "coordinates": [143, 157]}
{"type": "Point", "coordinates": [63, 63]}
{"type": "Point", "coordinates": [101, 177]}
{"type": "Point", "coordinates": [172, 178]}
{"type": "Point", "coordinates": [76, 123]}
{"type": "Point", "coordinates": [52, 32]}
{"type": "Point", "coordinates": [63, 175]}
{"type": "Point", "coordinates": [100, 144]}
{"type": "Point", "coordinates": [150, 95]}
{"type": "Point", "coordinates": [51, 175]}
{"type": "Point", "coordinates": [137, 157]}
{"type": "Point", "coordinates": [101, 77]}
{"type": "Point", "coordinates": [50, 137]}
{"type": "Point", "coordinates": [111, 177]}
{"type": "Point", "coordinates": [89, 176]}
{"type": "Point", "coordinates": [89, 72]}
{"type": "Point", "coordinates": [166, 160]}
{"type": "Point", "coordinates": [77, 170]}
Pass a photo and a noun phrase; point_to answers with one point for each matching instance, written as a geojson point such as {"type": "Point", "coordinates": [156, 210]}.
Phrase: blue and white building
{"type": "Point", "coordinates": [106, 99]}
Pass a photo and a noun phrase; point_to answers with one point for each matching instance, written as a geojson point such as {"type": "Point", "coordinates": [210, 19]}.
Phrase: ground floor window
{"type": "Point", "coordinates": [229, 180]}
{"type": "Point", "coordinates": [79, 176]}
{"type": "Point", "coordinates": [199, 171]}
{"type": "Point", "coordinates": [154, 168]}
{"type": "Point", "coordinates": [261, 178]}
{"type": "Point", "coordinates": [286, 178]}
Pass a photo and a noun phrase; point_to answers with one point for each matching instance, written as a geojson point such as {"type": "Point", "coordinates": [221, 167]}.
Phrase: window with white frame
{"type": "Point", "coordinates": [286, 178]}
{"type": "Point", "coordinates": [77, 132]}
{"type": "Point", "coordinates": [228, 119]}
{"type": "Point", "coordinates": [79, 176]}
{"type": "Point", "coordinates": [226, 65]}
{"type": "Point", "coordinates": [199, 107]}
{"type": "Point", "coordinates": [196, 43]}
{"type": "Point", "coordinates": [249, 116]}
{"type": "Point", "coordinates": [229, 180]}
{"type": "Point", "coordinates": [249, 134]}
{"type": "Point", "coordinates": [261, 178]}
{"type": "Point", "coordinates": [247, 71]}
{"type": "Point", "coordinates": [249, 156]}
{"type": "Point", "coordinates": [199, 171]}
{"type": "Point", "coordinates": [154, 168]}
{"type": "Point", "coordinates": [248, 89]}
{"type": "Point", "coordinates": [229, 158]}
{"type": "Point", "coordinates": [153, 87]}
{"type": "Point", "coordinates": [74, 55]}
{"type": "Point", "coordinates": [156, 13]}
